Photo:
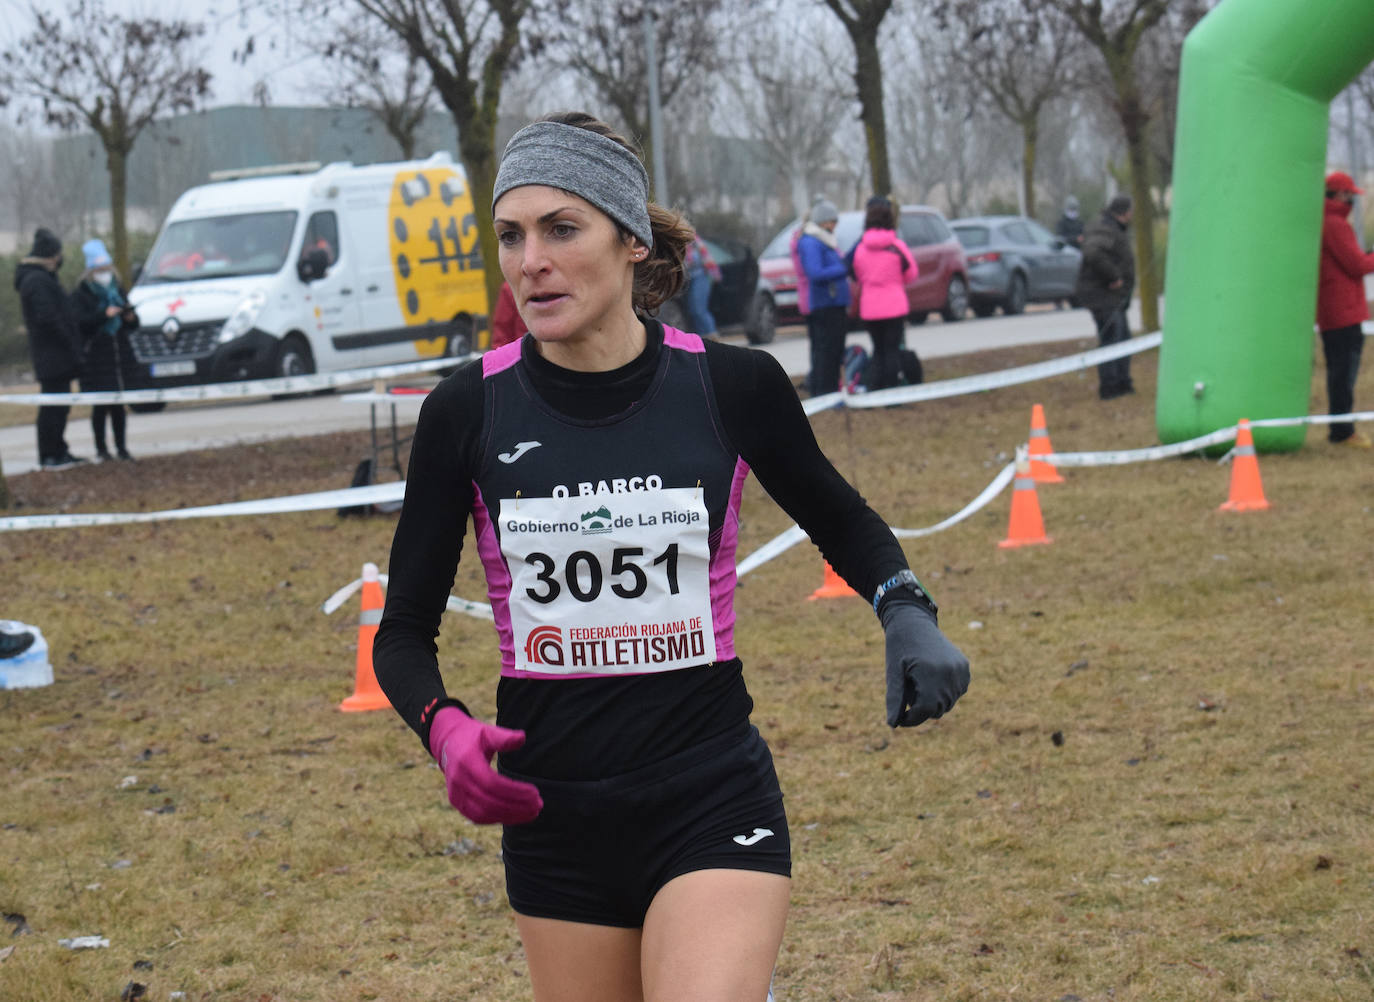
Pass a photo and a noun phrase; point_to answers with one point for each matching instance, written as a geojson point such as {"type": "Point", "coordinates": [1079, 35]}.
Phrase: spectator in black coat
{"type": "Point", "coordinates": [1106, 278]}
{"type": "Point", "coordinates": [104, 319]}
{"type": "Point", "coordinates": [54, 345]}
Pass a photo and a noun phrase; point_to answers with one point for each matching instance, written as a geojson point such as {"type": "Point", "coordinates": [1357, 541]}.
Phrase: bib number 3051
{"type": "Point", "coordinates": [584, 577]}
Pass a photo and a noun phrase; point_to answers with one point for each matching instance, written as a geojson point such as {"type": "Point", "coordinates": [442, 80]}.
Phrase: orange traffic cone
{"type": "Point", "coordinates": [367, 694]}
{"type": "Point", "coordinates": [832, 587]}
{"type": "Point", "coordinates": [1247, 493]}
{"type": "Point", "coordinates": [1041, 471]}
{"type": "Point", "coordinates": [1027, 526]}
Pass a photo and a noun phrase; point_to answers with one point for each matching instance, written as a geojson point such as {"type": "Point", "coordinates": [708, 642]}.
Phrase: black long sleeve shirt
{"type": "Point", "coordinates": [593, 728]}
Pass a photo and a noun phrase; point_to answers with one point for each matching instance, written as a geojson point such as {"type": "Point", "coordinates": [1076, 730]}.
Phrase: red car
{"type": "Point", "coordinates": [941, 286]}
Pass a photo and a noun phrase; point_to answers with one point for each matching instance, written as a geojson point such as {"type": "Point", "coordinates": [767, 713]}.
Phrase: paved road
{"type": "Point", "coordinates": [207, 426]}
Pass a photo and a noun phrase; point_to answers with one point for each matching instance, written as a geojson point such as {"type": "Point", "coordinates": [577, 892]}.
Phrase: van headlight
{"type": "Point", "coordinates": [243, 318]}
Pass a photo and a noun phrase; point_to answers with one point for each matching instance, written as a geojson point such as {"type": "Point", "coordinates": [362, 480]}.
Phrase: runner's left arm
{"type": "Point", "coordinates": [764, 419]}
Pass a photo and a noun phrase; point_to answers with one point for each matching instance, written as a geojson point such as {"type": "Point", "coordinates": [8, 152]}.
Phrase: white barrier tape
{"type": "Point", "coordinates": [373, 397]}
{"type": "Point", "coordinates": [1279, 422]}
{"type": "Point", "coordinates": [345, 593]}
{"type": "Point", "coordinates": [997, 485]}
{"type": "Point", "coordinates": [478, 610]}
{"type": "Point", "coordinates": [769, 550]}
{"type": "Point", "coordinates": [343, 498]}
{"type": "Point", "coordinates": [824, 402]}
{"type": "Point", "coordinates": [791, 537]}
{"type": "Point", "coordinates": [1123, 456]}
{"type": "Point", "coordinates": [1005, 377]}
{"type": "Point", "coordinates": [245, 388]}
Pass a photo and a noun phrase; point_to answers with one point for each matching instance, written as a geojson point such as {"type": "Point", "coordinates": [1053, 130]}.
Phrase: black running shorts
{"type": "Point", "coordinates": [601, 849]}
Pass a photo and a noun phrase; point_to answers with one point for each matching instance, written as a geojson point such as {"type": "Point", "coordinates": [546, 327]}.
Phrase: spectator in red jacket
{"type": "Point", "coordinates": [506, 325]}
{"type": "Point", "coordinates": [1341, 305]}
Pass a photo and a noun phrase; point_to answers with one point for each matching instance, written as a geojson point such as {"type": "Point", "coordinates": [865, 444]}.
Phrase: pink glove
{"type": "Point", "coordinates": [463, 747]}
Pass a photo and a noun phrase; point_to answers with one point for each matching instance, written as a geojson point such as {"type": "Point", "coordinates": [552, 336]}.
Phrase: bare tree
{"type": "Point", "coordinates": [468, 49]}
{"type": "Point", "coordinates": [863, 19]}
{"type": "Point", "coordinates": [951, 148]}
{"type": "Point", "coordinates": [1021, 55]}
{"type": "Point", "coordinates": [602, 41]}
{"type": "Point", "coordinates": [91, 68]}
{"type": "Point", "coordinates": [1161, 59]}
{"type": "Point", "coordinates": [785, 100]}
{"type": "Point", "coordinates": [1116, 34]}
{"type": "Point", "coordinates": [373, 70]}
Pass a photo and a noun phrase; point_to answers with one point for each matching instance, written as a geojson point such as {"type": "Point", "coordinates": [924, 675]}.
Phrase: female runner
{"type": "Point", "coordinates": [601, 459]}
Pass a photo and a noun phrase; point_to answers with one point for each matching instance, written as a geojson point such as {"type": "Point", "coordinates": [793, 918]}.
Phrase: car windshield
{"type": "Point", "coordinates": [847, 232]}
{"type": "Point", "coordinates": [972, 236]}
{"type": "Point", "coordinates": [780, 245]}
{"type": "Point", "coordinates": [253, 243]}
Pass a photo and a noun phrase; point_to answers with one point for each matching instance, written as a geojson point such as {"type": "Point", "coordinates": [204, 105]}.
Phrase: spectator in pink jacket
{"type": "Point", "coordinates": [883, 266]}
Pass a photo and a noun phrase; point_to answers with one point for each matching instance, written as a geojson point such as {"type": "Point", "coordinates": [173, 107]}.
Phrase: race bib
{"type": "Point", "coordinates": [609, 584]}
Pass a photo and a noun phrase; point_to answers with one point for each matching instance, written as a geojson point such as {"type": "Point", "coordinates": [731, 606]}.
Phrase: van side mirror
{"type": "Point", "coordinates": [313, 264]}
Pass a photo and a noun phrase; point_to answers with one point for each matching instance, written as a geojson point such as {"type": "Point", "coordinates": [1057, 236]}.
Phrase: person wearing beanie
{"type": "Point", "coordinates": [828, 291]}
{"type": "Point", "coordinates": [1106, 278]}
{"type": "Point", "coordinates": [54, 345]}
{"type": "Point", "coordinates": [1341, 305]}
{"type": "Point", "coordinates": [104, 319]}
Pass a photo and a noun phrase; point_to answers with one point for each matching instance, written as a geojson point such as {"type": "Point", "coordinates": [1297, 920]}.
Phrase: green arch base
{"type": "Point", "coordinates": [1255, 92]}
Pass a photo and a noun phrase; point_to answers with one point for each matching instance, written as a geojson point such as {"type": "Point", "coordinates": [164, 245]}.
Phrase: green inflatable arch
{"type": "Point", "coordinates": [1257, 83]}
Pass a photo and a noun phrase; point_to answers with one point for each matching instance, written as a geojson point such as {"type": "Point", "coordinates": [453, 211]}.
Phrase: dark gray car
{"type": "Point", "coordinates": [1013, 261]}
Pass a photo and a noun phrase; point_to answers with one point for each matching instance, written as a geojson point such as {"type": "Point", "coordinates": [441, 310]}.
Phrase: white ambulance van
{"type": "Point", "coordinates": [289, 270]}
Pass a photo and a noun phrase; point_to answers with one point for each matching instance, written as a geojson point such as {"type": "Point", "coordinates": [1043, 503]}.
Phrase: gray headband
{"type": "Point", "coordinates": [584, 163]}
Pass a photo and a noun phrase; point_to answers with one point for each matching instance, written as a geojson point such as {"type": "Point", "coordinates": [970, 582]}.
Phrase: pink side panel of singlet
{"type": "Point", "coordinates": [723, 568]}
{"type": "Point", "coordinates": [498, 574]}
{"type": "Point", "coordinates": [675, 338]}
{"type": "Point", "coordinates": [500, 359]}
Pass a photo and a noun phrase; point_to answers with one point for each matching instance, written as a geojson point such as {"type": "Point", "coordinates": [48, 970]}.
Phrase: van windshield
{"type": "Point", "coordinates": [254, 243]}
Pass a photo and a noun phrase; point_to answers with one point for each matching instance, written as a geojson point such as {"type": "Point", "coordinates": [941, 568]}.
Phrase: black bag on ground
{"type": "Point", "coordinates": [910, 365]}
{"type": "Point", "coordinates": [364, 475]}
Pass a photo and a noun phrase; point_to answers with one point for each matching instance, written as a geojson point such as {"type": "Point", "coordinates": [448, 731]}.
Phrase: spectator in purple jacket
{"type": "Point", "coordinates": [883, 267]}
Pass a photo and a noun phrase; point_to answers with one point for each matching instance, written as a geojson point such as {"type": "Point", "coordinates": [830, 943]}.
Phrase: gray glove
{"type": "Point", "coordinates": [926, 674]}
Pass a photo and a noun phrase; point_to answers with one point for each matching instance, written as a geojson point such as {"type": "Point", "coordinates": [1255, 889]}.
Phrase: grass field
{"type": "Point", "coordinates": [1159, 787]}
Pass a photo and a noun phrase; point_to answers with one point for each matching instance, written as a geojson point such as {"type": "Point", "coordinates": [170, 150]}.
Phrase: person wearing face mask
{"type": "Point", "coordinates": [104, 319]}
{"type": "Point", "coordinates": [1341, 305]}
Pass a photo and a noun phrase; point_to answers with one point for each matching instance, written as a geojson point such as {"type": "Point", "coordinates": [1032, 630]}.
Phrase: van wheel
{"type": "Point", "coordinates": [765, 325]}
{"type": "Point", "coordinates": [459, 343]}
{"type": "Point", "coordinates": [956, 300]}
{"type": "Point", "coordinates": [293, 357]}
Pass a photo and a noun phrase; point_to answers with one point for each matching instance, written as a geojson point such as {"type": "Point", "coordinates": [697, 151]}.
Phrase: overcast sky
{"type": "Point", "coordinates": [226, 31]}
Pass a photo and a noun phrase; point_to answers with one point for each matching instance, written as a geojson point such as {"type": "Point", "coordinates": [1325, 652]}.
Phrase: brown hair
{"type": "Point", "coordinates": [878, 215]}
{"type": "Point", "coordinates": [661, 275]}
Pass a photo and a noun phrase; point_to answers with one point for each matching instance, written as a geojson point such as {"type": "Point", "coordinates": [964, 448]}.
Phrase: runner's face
{"type": "Point", "coordinates": [571, 272]}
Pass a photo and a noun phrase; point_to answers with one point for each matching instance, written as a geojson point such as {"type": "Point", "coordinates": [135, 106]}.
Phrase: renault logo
{"type": "Point", "coordinates": [170, 329]}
